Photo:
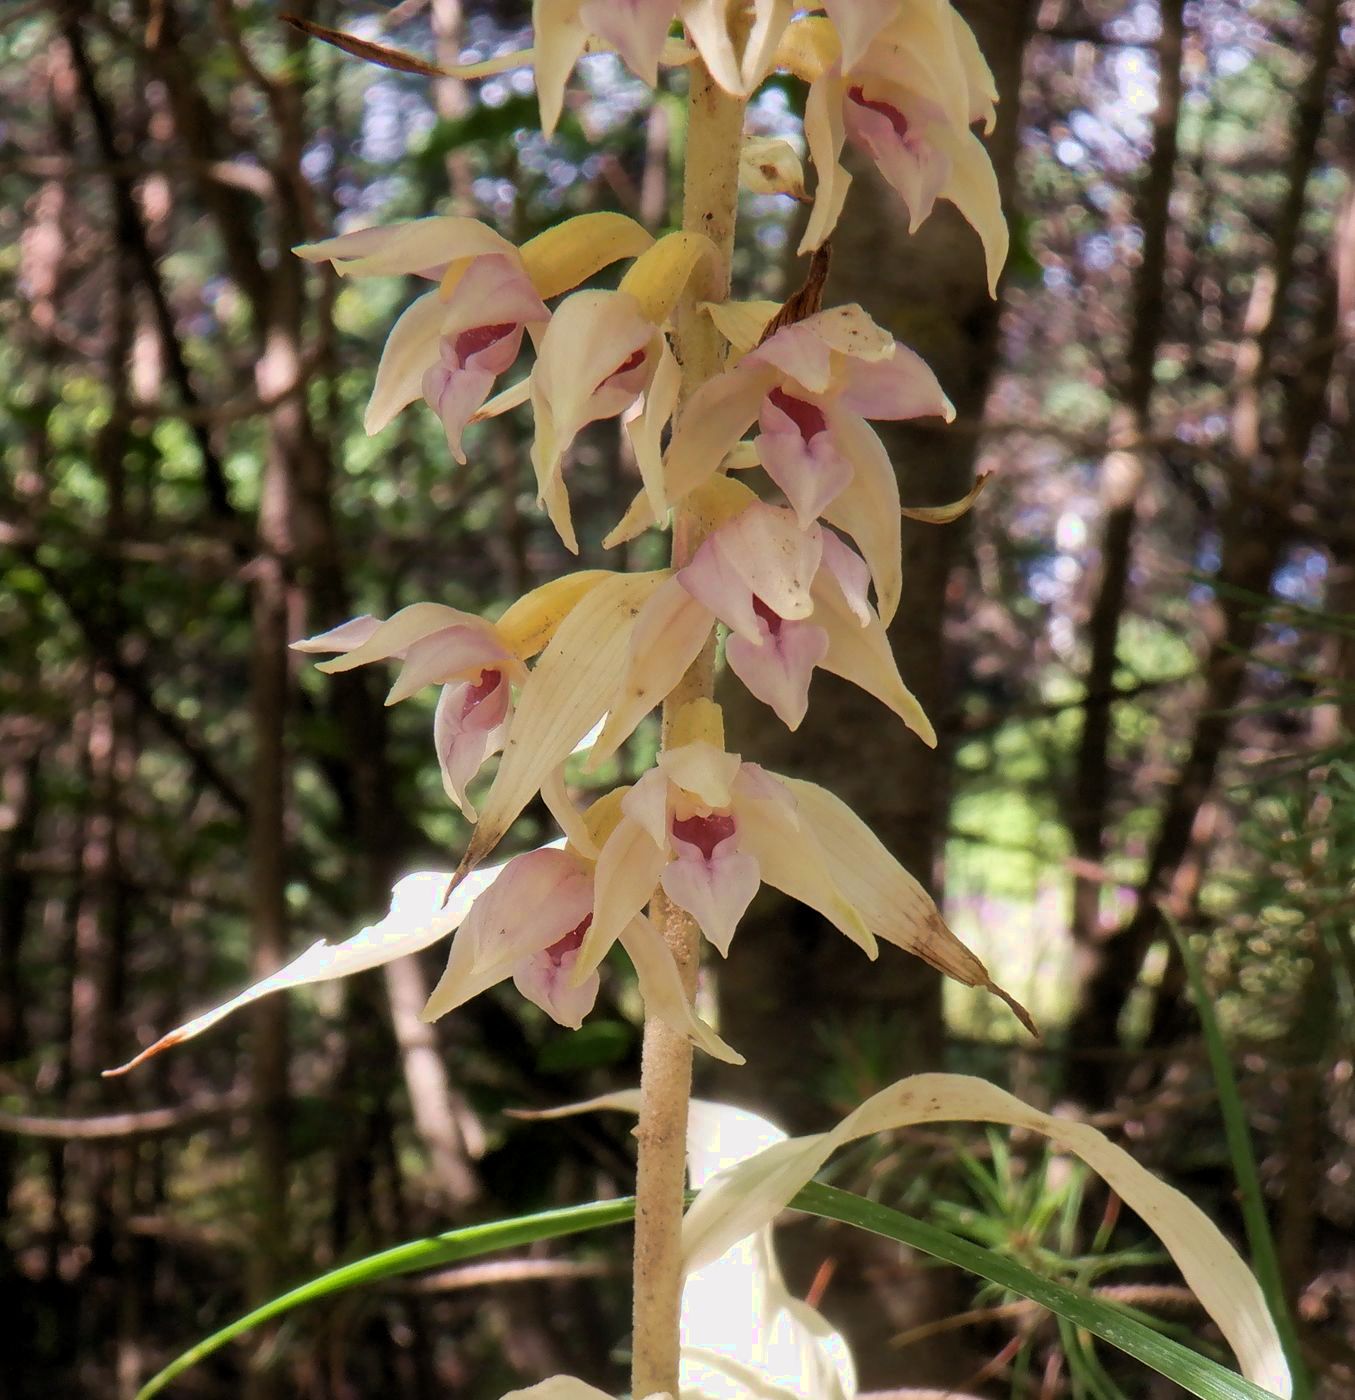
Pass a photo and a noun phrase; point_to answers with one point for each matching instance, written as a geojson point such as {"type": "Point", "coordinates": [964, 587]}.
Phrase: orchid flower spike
{"type": "Point", "coordinates": [638, 31]}
{"type": "Point", "coordinates": [530, 925]}
{"type": "Point", "coordinates": [908, 98]}
{"type": "Point", "coordinates": [810, 387]}
{"type": "Point", "coordinates": [451, 344]}
{"type": "Point", "coordinates": [474, 661]}
{"type": "Point", "coordinates": [793, 600]}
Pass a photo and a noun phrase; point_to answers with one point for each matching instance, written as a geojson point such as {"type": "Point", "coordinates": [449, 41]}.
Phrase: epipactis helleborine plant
{"type": "Point", "coordinates": [581, 661]}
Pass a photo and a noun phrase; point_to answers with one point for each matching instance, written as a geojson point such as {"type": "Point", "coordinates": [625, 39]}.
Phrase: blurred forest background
{"type": "Point", "coordinates": [1139, 648]}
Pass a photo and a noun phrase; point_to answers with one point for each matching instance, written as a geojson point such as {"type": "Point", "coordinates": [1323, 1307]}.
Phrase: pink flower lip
{"type": "Point", "coordinates": [478, 338]}
{"type": "Point", "coordinates": [705, 833]}
{"type": "Point", "coordinates": [806, 416]}
{"type": "Point", "coordinates": [481, 690]}
{"type": "Point", "coordinates": [892, 115]}
{"type": "Point", "coordinates": [570, 943]}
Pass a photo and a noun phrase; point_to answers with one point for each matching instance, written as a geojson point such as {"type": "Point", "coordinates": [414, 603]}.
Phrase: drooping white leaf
{"type": "Point", "coordinates": [747, 1197]}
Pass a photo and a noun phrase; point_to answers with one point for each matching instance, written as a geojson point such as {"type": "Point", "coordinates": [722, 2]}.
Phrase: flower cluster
{"type": "Point", "coordinates": [807, 578]}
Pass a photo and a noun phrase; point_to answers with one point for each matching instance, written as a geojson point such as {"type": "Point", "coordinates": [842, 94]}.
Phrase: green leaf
{"type": "Point", "coordinates": [1192, 1372]}
{"type": "Point", "coordinates": [594, 1044]}
{"type": "Point", "coordinates": [1265, 1260]}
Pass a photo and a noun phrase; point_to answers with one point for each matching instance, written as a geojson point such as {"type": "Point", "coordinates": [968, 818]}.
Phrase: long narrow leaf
{"type": "Point", "coordinates": [450, 1248]}
{"type": "Point", "coordinates": [1194, 1373]}
{"type": "Point", "coordinates": [1191, 1371]}
{"type": "Point", "coordinates": [1265, 1260]}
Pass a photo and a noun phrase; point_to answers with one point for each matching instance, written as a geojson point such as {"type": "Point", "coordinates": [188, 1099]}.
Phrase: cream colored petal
{"type": "Point", "coordinates": [628, 871]}
{"type": "Point", "coordinates": [568, 818]}
{"type": "Point", "coordinates": [569, 253]}
{"type": "Point", "coordinates": [925, 48]}
{"type": "Point", "coordinates": [770, 166]}
{"type": "Point", "coordinates": [715, 417]}
{"type": "Point", "coordinates": [514, 396]}
{"type": "Point", "coordinates": [707, 24]}
{"type": "Point", "coordinates": [741, 322]}
{"type": "Point", "coordinates": [646, 429]}
{"type": "Point", "coordinates": [868, 510]}
{"type": "Point", "coordinates": [558, 42]}
{"type": "Point", "coordinates": [669, 634]}
{"type": "Point", "coordinates": [418, 917]}
{"type": "Point", "coordinates": [862, 655]}
{"type": "Point", "coordinates": [857, 23]}
{"type": "Point", "coordinates": [825, 136]}
{"type": "Point", "coordinates": [983, 94]}
{"type": "Point", "coordinates": [789, 856]}
{"type": "Point", "coordinates": [402, 630]}
{"type": "Point", "coordinates": [662, 992]}
{"type": "Point", "coordinates": [418, 245]}
{"type": "Point", "coordinates": [531, 622]}
{"type": "Point", "coordinates": [747, 1197]}
{"type": "Point", "coordinates": [646, 804]}
{"type": "Point", "coordinates": [702, 769]}
{"type": "Point", "coordinates": [410, 348]}
{"type": "Point", "coordinates": [808, 48]}
{"type": "Point", "coordinates": [558, 1388]}
{"type": "Point", "coordinates": [659, 276]}
{"type": "Point", "coordinates": [565, 695]}
{"type": "Point", "coordinates": [892, 903]}
{"type": "Point", "coordinates": [770, 20]}
{"type": "Point", "coordinates": [763, 554]}
{"type": "Point", "coordinates": [973, 190]}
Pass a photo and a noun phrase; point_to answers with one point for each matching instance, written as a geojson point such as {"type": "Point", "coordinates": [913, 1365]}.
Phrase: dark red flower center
{"type": "Point", "coordinates": [774, 620]}
{"type": "Point", "coordinates": [892, 115]}
{"type": "Point", "coordinates": [481, 689]}
{"type": "Point", "coordinates": [808, 417]}
{"type": "Point", "coordinates": [570, 943]}
{"type": "Point", "coordinates": [705, 833]}
{"type": "Point", "coordinates": [479, 338]}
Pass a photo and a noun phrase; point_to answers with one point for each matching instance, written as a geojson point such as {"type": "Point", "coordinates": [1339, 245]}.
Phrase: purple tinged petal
{"type": "Point", "coordinates": [715, 890]}
{"type": "Point", "coordinates": [852, 575]}
{"type": "Point", "coordinates": [811, 470]}
{"type": "Point", "coordinates": [347, 636]}
{"type": "Point", "coordinates": [469, 724]}
{"type": "Point", "coordinates": [902, 386]}
{"type": "Point", "coordinates": [452, 654]}
{"type": "Point", "coordinates": [778, 672]}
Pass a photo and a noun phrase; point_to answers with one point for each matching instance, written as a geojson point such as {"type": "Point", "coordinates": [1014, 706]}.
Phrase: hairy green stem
{"type": "Point", "coordinates": [710, 206]}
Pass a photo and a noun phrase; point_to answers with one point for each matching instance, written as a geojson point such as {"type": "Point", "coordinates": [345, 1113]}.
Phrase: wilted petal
{"type": "Point", "coordinates": [470, 724]}
{"type": "Point", "coordinates": [747, 1197]}
{"type": "Point", "coordinates": [710, 877]}
{"type": "Point", "coordinates": [636, 29]}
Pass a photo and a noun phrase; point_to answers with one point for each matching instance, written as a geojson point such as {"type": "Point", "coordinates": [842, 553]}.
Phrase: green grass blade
{"type": "Point", "coordinates": [450, 1248]}
{"type": "Point", "coordinates": [1261, 1242]}
{"type": "Point", "coordinates": [1192, 1372]}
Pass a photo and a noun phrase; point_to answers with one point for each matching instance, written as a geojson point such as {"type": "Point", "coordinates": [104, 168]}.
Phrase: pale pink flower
{"type": "Point", "coordinates": [638, 31]}
{"type": "Point", "coordinates": [793, 600]}
{"type": "Point", "coordinates": [600, 357]}
{"type": "Point", "coordinates": [438, 645]}
{"type": "Point", "coordinates": [811, 387]}
{"type": "Point", "coordinates": [449, 345]}
{"type": "Point", "coordinates": [908, 97]}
